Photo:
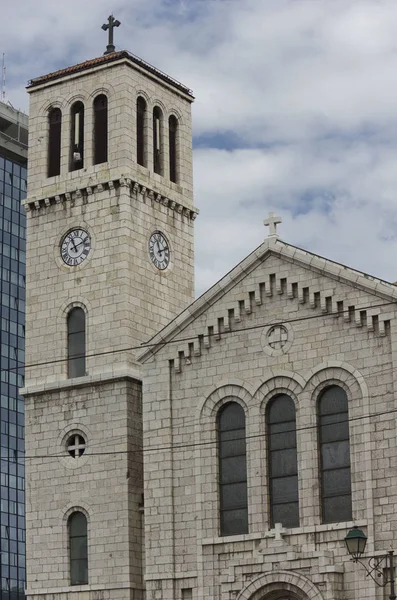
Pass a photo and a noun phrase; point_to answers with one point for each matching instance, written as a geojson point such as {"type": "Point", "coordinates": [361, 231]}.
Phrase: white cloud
{"type": "Point", "coordinates": [303, 92]}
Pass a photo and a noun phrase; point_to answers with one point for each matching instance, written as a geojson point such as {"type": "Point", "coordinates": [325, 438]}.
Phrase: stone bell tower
{"type": "Point", "coordinates": [109, 262]}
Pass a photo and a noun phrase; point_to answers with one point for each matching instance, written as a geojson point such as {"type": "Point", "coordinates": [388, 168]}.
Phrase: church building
{"type": "Point", "coordinates": [216, 449]}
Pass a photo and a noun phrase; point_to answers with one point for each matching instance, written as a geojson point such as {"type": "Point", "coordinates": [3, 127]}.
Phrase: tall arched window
{"type": "Point", "coordinates": [54, 142]}
{"type": "Point", "coordinates": [77, 136]}
{"type": "Point", "coordinates": [232, 470]}
{"type": "Point", "coordinates": [173, 134]}
{"type": "Point", "coordinates": [140, 132]}
{"type": "Point", "coordinates": [76, 343]}
{"type": "Point", "coordinates": [282, 462]}
{"type": "Point", "coordinates": [334, 455]}
{"type": "Point", "coordinates": [100, 129]}
{"type": "Point", "coordinates": [78, 548]}
{"type": "Point", "coordinates": [157, 140]}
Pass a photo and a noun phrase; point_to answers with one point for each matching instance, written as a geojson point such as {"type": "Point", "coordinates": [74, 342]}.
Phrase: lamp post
{"type": "Point", "coordinates": [380, 568]}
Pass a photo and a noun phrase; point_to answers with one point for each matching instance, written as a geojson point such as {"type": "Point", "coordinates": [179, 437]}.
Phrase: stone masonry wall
{"type": "Point", "coordinates": [183, 390]}
{"type": "Point", "coordinates": [105, 483]}
{"type": "Point", "coordinates": [122, 84]}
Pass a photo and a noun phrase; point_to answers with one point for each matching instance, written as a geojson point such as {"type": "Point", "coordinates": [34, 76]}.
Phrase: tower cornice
{"type": "Point", "coordinates": [137, 190]}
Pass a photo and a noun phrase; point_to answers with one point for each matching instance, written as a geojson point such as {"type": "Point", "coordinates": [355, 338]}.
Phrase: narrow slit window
{"type": "Point", "coordinates": [140, 132]}
{"type": "Point", "coordinates": [76, 343]}
{"type": "Point", "coordinates": [173, 133]}
{"type": "Point", "coordinates": [282, 462]}
{"type": "Point", "coordinates": [77, 137]}
{"type": "Point", "coordinates": [100, 129]}
{"type": "Point", "coordinates": [54, 142]}
{"type": "Point", "coordinates": [232, 470]}
{"type": "Point", "coordinates": [334, 441]}
{"type": "Point", "coordinates": [157, 141]}
{"type": "Point", "coordinates": [78, 548]}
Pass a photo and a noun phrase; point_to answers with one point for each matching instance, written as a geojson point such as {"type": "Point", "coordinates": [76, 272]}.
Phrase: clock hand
{"type": "Point", "coordinates": [74, 245]}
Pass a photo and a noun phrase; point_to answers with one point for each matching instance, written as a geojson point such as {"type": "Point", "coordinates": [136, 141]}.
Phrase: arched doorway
{"type": "Point", "coordinates": [280, 585]}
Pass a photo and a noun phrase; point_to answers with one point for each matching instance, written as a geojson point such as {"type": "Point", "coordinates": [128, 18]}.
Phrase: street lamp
{"type": "Point", "coordinates": [380, 568]}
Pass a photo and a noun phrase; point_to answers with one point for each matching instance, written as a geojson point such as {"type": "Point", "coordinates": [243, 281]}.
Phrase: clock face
{"type": "Point", "coordinates": [75, 247]}
{"type": "Point", "coordinates": [159, 250]}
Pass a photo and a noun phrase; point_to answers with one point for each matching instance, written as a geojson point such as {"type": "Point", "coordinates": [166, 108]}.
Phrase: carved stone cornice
{"type": "Point", "coordinates": [137, 191]}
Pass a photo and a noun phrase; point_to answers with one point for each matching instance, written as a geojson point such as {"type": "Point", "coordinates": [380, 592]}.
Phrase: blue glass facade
{"type": "Point", "coordinates": [12, 356]}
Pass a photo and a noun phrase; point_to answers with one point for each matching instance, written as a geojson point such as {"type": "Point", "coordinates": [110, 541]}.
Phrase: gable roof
{"type": "Point", "coordinates": [105, 60]}
{"type": "Point", "coordinates": [273, 246]}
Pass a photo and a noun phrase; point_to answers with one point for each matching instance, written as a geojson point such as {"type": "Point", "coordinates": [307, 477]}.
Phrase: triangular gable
{"type": "Point", "coordinates": [373, 317]}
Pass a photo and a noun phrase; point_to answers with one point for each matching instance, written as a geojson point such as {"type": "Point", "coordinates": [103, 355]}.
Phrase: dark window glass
{"type": "Point", "coordinates": [334, 455]}
{"type": "Point", "coordinates": [282, 462]}
{"type": "Point", "coordinates": [140, 132]}
{"type": "Point", "coordinates": [77, 137]}
{"type": "Point", "coordinates": [11, 361]}
{"type": "Point", "coordinates": [232, 470]}
{"type": "Point", "coordinates": [54, 142]}
{"type": "Point", "coordinates": [157, 140]}
{"type": "Point", "coordinates": [100, 129]}
{"type": "Point", "coordinates": [78, 548]}
{"type": "Point", "coordinates": [76, 343]}
{"type": "Point", "coordinates": [173, 132]}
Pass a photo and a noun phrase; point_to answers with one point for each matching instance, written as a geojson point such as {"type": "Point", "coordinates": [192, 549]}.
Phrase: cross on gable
{"type": "Point", "coordinates": [272, 221]}
{"type": "Point", "coordinates": [110, 25]}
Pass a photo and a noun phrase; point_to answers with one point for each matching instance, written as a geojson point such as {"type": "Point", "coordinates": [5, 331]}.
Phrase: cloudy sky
{"type": "Point", "coordinates": [295, 112]}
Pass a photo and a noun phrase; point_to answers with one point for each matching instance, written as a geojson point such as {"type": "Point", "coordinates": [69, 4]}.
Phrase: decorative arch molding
{"type": "Point", "coordinates": [78, 302]}
{"type": "Point", "coordinates": [337, 373]}
{"type": "Point", "coordinates": [145, 96]}
{"type": "Point", "coordinates": [49, 104]}
{"type": "Point", "coordinates": [160, 104]}
{"type": "Point", "coordinates": [70, 508]}
{"type": "Point", "coordinates": [107, 91]}
{"type": "Point", "coordinates": [239, 390]}
{"type": "Point", "coordinates": [284, 382]}
{"type": "Point", "coordinates": [70, 100]}
{"type": "Point", "coordinates": [270, 586]}
{"type": "Point", "coordinates": [173, 112]}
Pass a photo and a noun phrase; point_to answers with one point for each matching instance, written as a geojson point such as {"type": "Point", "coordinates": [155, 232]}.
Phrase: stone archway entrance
{"type": "Point", "coordinates": [280, 585]}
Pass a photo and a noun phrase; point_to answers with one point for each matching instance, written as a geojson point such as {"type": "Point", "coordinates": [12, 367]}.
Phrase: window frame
{"type": "Point", "coordinates": [271, 455]}
{"type": "Point", "coordinates": [346, 467]}
{"type": "Point", "coordinates": [77, 107]}
{"type": "Point", "coordinates": [54, 142]}
{"type": "Point", "coordinates": [173, 139]}
{"type": "Point", "coordinates": [81, 561]}
{"type": "Point", "coordinates": [101, 130]}
{"type": "Point", "coordinates": [224, 527]}
{"type": "Point", "coordinates": [141, 131]}
{"type": "Point", "coordinates": [73, 359]}
{"type": "Point", "coordinates": [158, 153]}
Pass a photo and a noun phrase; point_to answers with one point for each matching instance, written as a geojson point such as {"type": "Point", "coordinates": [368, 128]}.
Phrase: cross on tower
{"type": "Point", "coordinates": [112, 23]}
{"type": "Point", "coordinates": [272, 221]}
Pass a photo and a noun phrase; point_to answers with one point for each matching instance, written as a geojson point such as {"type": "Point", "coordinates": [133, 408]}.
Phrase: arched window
{"type": "Point", "coordinates": [334, 455]}
{"type": "Point", "coordinates": [157, 140]}
{"type": "Point", "coordinates": [232, 470]}
{"type": "Point", "coordinates": [54, 142]}
{"type": "Point", "coordinates": [140, 132]}
{"type": "Point", "coordinates": [100, 129]}
{"type": "Point", "coordinates": [173, 133]}
{"type": "Point", "coordinates": [78, 548]}
{"type": "Point", "coordinates": [77, 137]}
{"type": "Point", "coordinates": [76, 343]}
{"type": "Point", "coordinates": [282, 462]}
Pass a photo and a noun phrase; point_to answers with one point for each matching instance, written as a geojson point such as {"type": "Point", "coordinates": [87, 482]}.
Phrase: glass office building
{"type": "Point", "coordinates": [13, 163]}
